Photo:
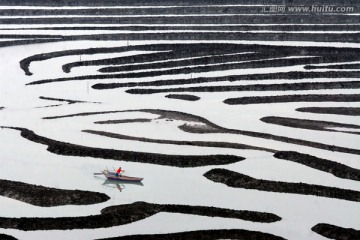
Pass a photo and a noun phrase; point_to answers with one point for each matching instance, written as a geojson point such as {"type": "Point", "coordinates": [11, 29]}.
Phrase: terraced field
{"type": "Point", "coordinates": [241, 116]}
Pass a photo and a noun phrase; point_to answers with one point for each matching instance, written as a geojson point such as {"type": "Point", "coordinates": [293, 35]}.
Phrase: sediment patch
{"type": "Point", "coordinates": [294, 75]}
{"type": "Point", "coordinates": [238, 180]}
{"type": "Point", "coordinates": [334, 66]}
{"type": "Point", "coordinates": [185, 97]}
{"type": "Point", "coordinates": [128, 213]}
{"type": "Point", "coordinates": [255, 87]}
{"type": "Point", "coordinates": [201, 125]}
{"type": "Point", "coordinates": [69, 101]}
{"type": "Point", "coordinates": [186, 143]}
{"type": "Point", "coordinates": [294, 98]}
{"type": "Point", "coordinates": [350, 111]}
{"type": "Point", "coordinates": [119, 121]}
{"type": "Point", "coordinates": [222, 19]}
{"type": "Point", "coordinates": [205, 234]}
{"type": "Point", "coordinates": [48, 197]}
{"type": "Point", "coordinates": [335, 232]}
{"type": "Point", "coordinates": [334, 168]}
{"type": "Point", "coordinates": [69, 149]}
{"type": "Point", "coordinates": [311, 124]}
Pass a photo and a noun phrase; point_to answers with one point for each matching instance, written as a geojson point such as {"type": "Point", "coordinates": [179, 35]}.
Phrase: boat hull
{"type": "Point", "coordinates": [112, 176]}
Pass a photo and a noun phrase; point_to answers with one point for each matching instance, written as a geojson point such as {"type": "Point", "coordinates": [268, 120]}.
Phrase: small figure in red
{"type": "Point", "coordinates": [119, 171]}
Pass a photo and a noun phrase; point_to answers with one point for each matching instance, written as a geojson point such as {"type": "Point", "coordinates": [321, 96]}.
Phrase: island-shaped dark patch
{"type": "Point", "coordinates": [186, 97]}
{"type": "Point", "coordinates": [334, 66]}
{"type": "Point", "coordinates": [335, 232]}
{"type": "Point", "coordinates": [6, 237]}
{"type": "Point", "coordinates": [334, 168]}
{"type": "Point", "coordinates": [350, 111]}
{"type": "Point", "coordinates": [238, 180]}
{"type": "Point", "coordinates": [69, 101]}
{"type": "Point", "coordinates": [69, 149]}
{"type": "Point", "coordinates": [118, 121]}
{"type": "Point", "coordinates": [311, 124]}
{"type": "Point", "coordinates": [294, 98]}
{"type": "Point", "coordinates": [48, 197]}
{"type": "Point", "coordinates": [128, 213]}
{"type": "Point", "coordinates": [239, 234]}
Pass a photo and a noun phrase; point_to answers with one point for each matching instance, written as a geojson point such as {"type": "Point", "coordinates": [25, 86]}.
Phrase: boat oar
{"type": "Point", "coordinates": [97, 173]}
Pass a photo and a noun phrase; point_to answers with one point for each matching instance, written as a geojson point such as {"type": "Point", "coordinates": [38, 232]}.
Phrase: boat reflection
{"type": "Point", "coordinates": [120, 185]}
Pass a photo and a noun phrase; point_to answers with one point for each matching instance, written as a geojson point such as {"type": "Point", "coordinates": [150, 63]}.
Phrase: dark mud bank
{"type": "Point", "coordinates": [128, 213]}
{"type": "Point", "coordinates": [48, 197]}
{"type": "Point", "coordinates": [334, 168]}
{"type": "Point", "coordinates": [335, 232]}
{"type": "Point", "coordinates": [349, 111]}
{"type": "Point", "coordinates": [238, 180]}
{"type": "Point", "coordinates": [206, 234]}
{"type": "Point", "coordinates": [69, 149]}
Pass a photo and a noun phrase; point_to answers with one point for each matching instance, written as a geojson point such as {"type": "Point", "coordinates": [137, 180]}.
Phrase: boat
{"type": "Point", "coordinates": [112, 176]}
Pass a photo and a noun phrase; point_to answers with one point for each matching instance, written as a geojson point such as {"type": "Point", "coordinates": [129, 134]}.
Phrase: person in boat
{"type": "Point", "coordinates": [119, 171]}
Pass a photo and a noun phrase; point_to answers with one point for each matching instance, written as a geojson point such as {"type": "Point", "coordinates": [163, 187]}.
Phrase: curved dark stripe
{"type": "Point", "coordinates": [311, 124]}
{"type": "Point", "coordinates": [186, 143]}
{"type": "Point", "coordinates": [204, 234]}
{"type": "Point", "coordinates": [333, 66]}
{"type": "Point", "coordinates": [204, 28]}
{"type": "Point", "coordinates": [238, 180]}
{"type": "Point", "coordinates": [334, 168]}
{"type": "Point", "coordinates": [255, 87]}
{"type": "Point", "coordinates": [253, 77]}
{"type": "Point", "coordinates": [211, 68]}
{"type": "Point", "coordinates": [173, 52]}
{"type": "Point", "coordinates": [48, 197]}
{"type": "Point", "coordinates": [135, 120]}
{"type": "Point", "coordinates": [208, 127]}
{"type": "Point", "coordinates": [11, 43]}
{"type": "Point", "coordinates": [222, 63]}
{"type": "Point", "coordinates": [294, 98]}
{"type": "Point", "coordinates": [24, 63]}
{"type": "Point", "coordinates": [69, 101]}
{"type": "Point", "coordinates": [351, 111]}
{"type": "Point", "coordinates": [69, 149]}
{"type": "Point", "coordinates": [128, 213]}
{"type": "Point", "coordinates": [242, 19]}
{"type": "Point", "coordinates": [335, 232]}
